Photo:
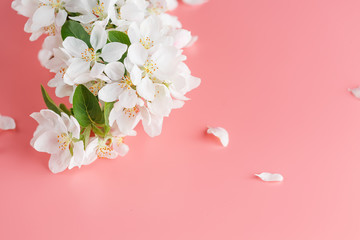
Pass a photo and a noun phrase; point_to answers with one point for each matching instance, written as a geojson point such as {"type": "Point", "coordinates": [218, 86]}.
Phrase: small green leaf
{"type": "Point", "coordinates": [121, 37]}
{"type": "Point", "coordinates": [98, 131]}
{"type": "Point", "coordinates": [74, 29]}
{"type": "Point", "coordinates": [107, 109]}
{"type": "Point", "coordinates": [85, 136]}
{"type": "Point", "coordinates": [65, 109]}
{"type": "Point", "coordinates": [49, 102]}
{"type": "Point", "coordinates": [86, 107]}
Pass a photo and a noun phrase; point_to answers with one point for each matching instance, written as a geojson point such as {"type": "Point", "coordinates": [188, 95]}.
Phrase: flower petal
{"type": "Point", "coordinates": [79, 154]}
{"type": "Point", "coordinates": [113, 51]}
{"type": "Point", "coordinates": [270, 177]}
{"type": "Point", "coordinates": [115, 70]}
{"type": "Point", "coordinates": [74, 46]}
{"type": "Point", "coordinates": [110, 92]}
{"type": "Point", "coordinates": [7, 123]}
{"type": "Point", "coordinates": [98, 37]}
{"type": "Point", "coordinates": [137, 54]}
{"type": "Point", "coordinates": [121, 148]}
{"type": "Point", "coordinates": [47, 142]}
{"type": "Point", "coordinates": [146, 89]}
{"type": "Point", "coordinates": [77, 67]}
{"type": "Point", "coordinates": [220, 133]}
{"type": "Point", "coordinates": [194, 2]}
{"type": "Point", "coordinates": [97, 69]}
{"type": "Point", "coordinates": [59, 162]}
{"type": "Point", "coordinates": [355, 91]}
{"type": "Point", "coordinates": [61, 17]}
{"type": "Point", "coordinates": [43, 16]}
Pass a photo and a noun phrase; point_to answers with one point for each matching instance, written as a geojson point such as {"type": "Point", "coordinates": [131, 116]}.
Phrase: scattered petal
{"type": "Point", "coordinates": [355, 91]}
{"type": "Point", "coordinates": [220, 133]}
{"type": "Point", "coordinates": [270, 177]}
{"type": "Point", "coordinates": [194, 2]}
{"type": "Point", "coordinates": [7, 123]}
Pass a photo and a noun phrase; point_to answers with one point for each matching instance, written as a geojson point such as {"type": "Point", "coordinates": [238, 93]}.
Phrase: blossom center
{"type": "Point", "coordinates": [50, 30]}
{"type": "Point", "coordinates": [64, 141]}
{"type": "Point", "coordinates": [89, 55]}
{"type": "Point", "coordinates": [95, 86]}
{"type": "Point", "coordinates": [56, 4]}
{"type": "Point", "coordinates": [104, 151]}
{"type": "Point", "coordinates": [99, 11]}
{"type": "Point", "coordinates": [156, 8]}
{"type": "Point", "coordinates": [150, 67]}
{"type": "Point", "coordinates": [131, 112]}
{"type": "Point", "coordinates": [146, 42]}
{"type": "Point", "coordinates": [126, 83]}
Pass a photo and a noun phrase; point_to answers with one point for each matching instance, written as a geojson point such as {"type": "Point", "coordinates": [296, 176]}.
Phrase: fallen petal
{"type": "Point", "coordinates": [270, 177]}
{"type": "Point", "coordinates": [220, 133]}
{"type": "Point", "coordinates": [355, 91]}
{"type": "Point", "coordinates": [194, 2]}
{"type": "Point", "coordinates": [7, 123]}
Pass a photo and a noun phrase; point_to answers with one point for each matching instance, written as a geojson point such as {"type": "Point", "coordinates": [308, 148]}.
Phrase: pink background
{"type": "Point", "coordinates": [274, 73]}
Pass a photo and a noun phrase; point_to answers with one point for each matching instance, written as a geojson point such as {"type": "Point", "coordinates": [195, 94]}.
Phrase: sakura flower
{"type": "Point", "coordinates": [270, 177]}
{"type": "Point", "coordinates": [7, 123]}
{"type": "Point", "coordinates": [93, 10]}
{"type": "Point", "coordinates": [220, 133]}
{"type": "Point", "coordinates": [150, 69]}
{"type": "Point", "coordinates": [58, 136]}
{"type": "Point", "coordinates": [123, 13]}
{"type": "Point", "coordinates": [105, 148]}
{"type": "Point", "coordinates": [126, 119]}
{"type": "Point", "coordinates": [45, 16]}
{"type": "Point", "coordinates": [46, 54]}
{"type": "Point", "coordinates": [123, 91]}
{"type": "Point", "coordinates": [145, 36]}
{"type": "Point", "coordinates": [85, 57]}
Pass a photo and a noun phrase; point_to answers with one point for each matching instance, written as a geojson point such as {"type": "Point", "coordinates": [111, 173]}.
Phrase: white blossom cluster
{"type": "Point", "coordinates": [127, 53]}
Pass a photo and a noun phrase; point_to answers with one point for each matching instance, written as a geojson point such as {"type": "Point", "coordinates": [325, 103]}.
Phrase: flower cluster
{"type": "Point", "coordinates": [120, 62]}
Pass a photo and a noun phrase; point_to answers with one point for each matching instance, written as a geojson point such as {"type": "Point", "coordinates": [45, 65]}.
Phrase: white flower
{"type": "Point", "coordinates": [57, 135]}
{"type": "Point", "coordinates": [46, 54]}
{"type": "Point", "coordinates": [105, 148]}
{"type": "Point", "coordinates": [122, 91]}
{"type": "Point", "coordinates": [85, 57]}
{"type": "Point", "coordinates": [7, 123]}
{"type": "Point", "coordinates": [93, 10]}
{"type": "Point", "coordinates": [45, 16]}
{"type": "Point", "coordinates": [126, 119]}
{"type": "Point", "coordinates": [147, 35]}
{"type": "Point", "coordinates": [150, 69]}
{"type": "Point", "coordinates": [220, 133]}
{"type": "Point", "coordinates": [123, 13]}
{"type": "Point", "coordinates": [270, 177]}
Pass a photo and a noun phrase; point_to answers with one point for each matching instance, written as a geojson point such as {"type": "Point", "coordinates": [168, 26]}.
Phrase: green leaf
{"type": "Point", "coordinates": [107, 109]}
{"type": "Point", "coordinates": [49, 102]}
{"type": "Point", "coordinates": [74, 29]}
{"type": "Point", "coordinates": [65, 109]}
{"type": "Point", "coordinates": [98, 131]}
{"type": "Point", "coordinates": [85, 136]}
{"type": "Point", "coordinates": [117, 36]}
{"type": "Point", "coordinates": [86, 107]}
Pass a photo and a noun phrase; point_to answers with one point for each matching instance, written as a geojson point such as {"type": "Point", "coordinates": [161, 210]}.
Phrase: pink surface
{"type": "Point", "coordinates": [275, 74]}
